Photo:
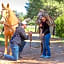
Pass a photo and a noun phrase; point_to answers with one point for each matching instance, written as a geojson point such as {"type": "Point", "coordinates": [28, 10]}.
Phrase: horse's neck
{"type": "Point", "coordinates": [13, 19]}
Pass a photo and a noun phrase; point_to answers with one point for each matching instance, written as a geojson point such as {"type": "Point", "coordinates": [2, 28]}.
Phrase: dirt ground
{"type": "Point", "coordinates": [32, 55]}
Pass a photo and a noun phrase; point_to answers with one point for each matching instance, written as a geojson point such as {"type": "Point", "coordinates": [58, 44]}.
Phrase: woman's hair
{"type": "Point", "coordinates": [47, 20]}
{"type": "Point", "coordinates": [44, 17]}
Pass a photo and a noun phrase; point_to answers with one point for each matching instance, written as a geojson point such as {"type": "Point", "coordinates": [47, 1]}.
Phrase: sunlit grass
{"type": "Point", "coordinates": [54, 36]}
{"type": "Point", "coordinates": [2, 40]}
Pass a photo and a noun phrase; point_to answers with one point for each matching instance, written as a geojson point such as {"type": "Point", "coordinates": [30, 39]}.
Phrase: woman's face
{"type": "Point", "coordinates": [43, 19]}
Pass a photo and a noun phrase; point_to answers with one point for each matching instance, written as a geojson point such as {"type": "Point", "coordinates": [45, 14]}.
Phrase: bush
{"type": "Point", "coordinates": [31, 22]}
{"type": "Point", "coordinates": [60, 26]}
{"type": "Point", "coordinates": [1, 26]}
{"type": "Point", "coordinates": [0, 17]}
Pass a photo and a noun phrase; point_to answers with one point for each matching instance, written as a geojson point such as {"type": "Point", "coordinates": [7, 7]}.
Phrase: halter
{"type": "Point", "coordinates": [5, 18]}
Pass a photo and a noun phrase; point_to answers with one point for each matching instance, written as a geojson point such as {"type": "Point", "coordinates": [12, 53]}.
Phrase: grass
{"type": "Point", "coordinates": [2, 39]}
{"type": "Point", "coordinates": [54, 36]}
{"type": "Point", "coordinates": [62, 39]}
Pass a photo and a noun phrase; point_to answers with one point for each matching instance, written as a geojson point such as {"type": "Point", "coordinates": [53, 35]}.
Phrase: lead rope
{"type": "Point", "coordinates": [30, 37]}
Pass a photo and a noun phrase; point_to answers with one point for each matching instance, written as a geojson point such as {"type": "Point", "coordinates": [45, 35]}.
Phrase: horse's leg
{"type": "Point", "coordinates": [6, 44]}
{"type": "Point", "coordinates": [10, 48]}
{"type": "Point", "coordinates": [41, 47]}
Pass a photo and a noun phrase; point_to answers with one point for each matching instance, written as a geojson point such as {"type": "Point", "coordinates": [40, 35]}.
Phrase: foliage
{"type": "Point", "coordinates": [21, 18]}
{"type": "Point", "coordinates": [1, 26]}
{"type": "Point", "coordinates": [60, 26]}
{"type": "Point", "coordinates": [0, 17]}
{"type": "Point", "coordinates": [60, 1]}
{"type": "Point", "coordinates": [20, 15]}
{"type": "Point", "coordinates": [2, 40]}
{"type": "Point", "coordinates": [33, 21]}
{"type": "Point", "coordinates": [31, 28]}
{"type": "Point", "coordinates": [33, 7]}
{"type": "Point", "coordinates": [54, 7]}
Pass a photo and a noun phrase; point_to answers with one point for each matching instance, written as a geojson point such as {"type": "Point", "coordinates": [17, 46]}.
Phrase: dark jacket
{"type": "Point", "coordinates": [19, 36]}
{"type": "Point", "coordinates": [45, 28]}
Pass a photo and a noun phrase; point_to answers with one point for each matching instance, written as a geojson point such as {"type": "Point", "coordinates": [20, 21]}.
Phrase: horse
{"type": "Point", "coordinates": [50, 22]}
{"type": "Point", "coordinates": [10, 23]}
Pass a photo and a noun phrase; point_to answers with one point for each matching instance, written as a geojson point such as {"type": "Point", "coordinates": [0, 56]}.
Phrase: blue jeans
{"type": "Point", "coordinates": [46, 47]}
{"type": "Point", "coordinates": [22, 46]}
{"type": "Point", "coordinates": [15, 52]}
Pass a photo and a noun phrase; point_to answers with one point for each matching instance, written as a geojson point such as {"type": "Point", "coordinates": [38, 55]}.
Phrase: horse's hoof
{"type": "Point", "coordinates": [5, 52]}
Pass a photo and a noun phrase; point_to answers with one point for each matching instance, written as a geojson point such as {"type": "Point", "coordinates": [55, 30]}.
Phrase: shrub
{"type": "Point", "coordinates": [0, 17]}
{"type": "Point", "coordinates": [60, 26]}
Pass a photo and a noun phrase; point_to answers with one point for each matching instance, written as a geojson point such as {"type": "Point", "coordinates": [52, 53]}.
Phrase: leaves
{"type": "Point", "coordinates": [53, 7]}
{"type": "Point", "coordinates": [60, 26]}
{"type": "Point", "coordinates": [33, 7]}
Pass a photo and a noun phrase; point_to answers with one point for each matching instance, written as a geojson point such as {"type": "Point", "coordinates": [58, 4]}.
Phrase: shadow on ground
{"type": "Point", "coordinates": [31, 55]}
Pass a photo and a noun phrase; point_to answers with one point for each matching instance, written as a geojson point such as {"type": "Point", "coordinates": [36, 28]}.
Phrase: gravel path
{"type": "Point", "coordinates": [32, 55]}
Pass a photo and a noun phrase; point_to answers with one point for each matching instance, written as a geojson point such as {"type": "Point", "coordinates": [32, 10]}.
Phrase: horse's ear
{"type": "Point", "coordinates": [3, 5]}
{"type": "Point", "coordinates": [8, 5]}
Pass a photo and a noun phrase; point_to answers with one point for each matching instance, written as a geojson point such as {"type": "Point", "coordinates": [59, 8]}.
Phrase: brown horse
{"type": "Point", "coordinates": [10, 24]}
{"type": "Point", "coordinates": [50, 22]}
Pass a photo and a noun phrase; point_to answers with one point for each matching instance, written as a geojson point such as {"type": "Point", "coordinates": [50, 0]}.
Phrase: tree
{"type": "Point", "coordinates": [60, 1]}
{"type": "Point", "coordinates": [33, 7]}
{"type": "Point", "coordinates": [54, 7]}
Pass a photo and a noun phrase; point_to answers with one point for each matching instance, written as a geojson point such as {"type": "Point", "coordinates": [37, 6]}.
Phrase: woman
{"type": "Point", "coordinates": [45, 38]}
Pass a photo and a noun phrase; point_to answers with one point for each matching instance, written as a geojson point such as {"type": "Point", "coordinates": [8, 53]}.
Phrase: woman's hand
{"type": "Point", "coordinates": [42, 34]}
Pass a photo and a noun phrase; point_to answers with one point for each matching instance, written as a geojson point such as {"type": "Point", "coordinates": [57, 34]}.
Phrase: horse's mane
{"type": "Point", "coordinates": [41, 13]}
{"type": "Point", "coordinates": [12, 19]}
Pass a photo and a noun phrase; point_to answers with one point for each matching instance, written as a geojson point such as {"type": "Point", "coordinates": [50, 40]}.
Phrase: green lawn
{"type": "Point", "coordinates": [2, 40]}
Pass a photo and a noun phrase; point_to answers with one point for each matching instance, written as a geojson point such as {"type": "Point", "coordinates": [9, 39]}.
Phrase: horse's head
{"type": "Point", "coordinates": [44, 13]}
{"type": "Point", "coordinates": [5, 11]}
{"type": "Point", "coordinates": [9, 15]}
{"type": "Point", "coordinates": [39, 16]}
